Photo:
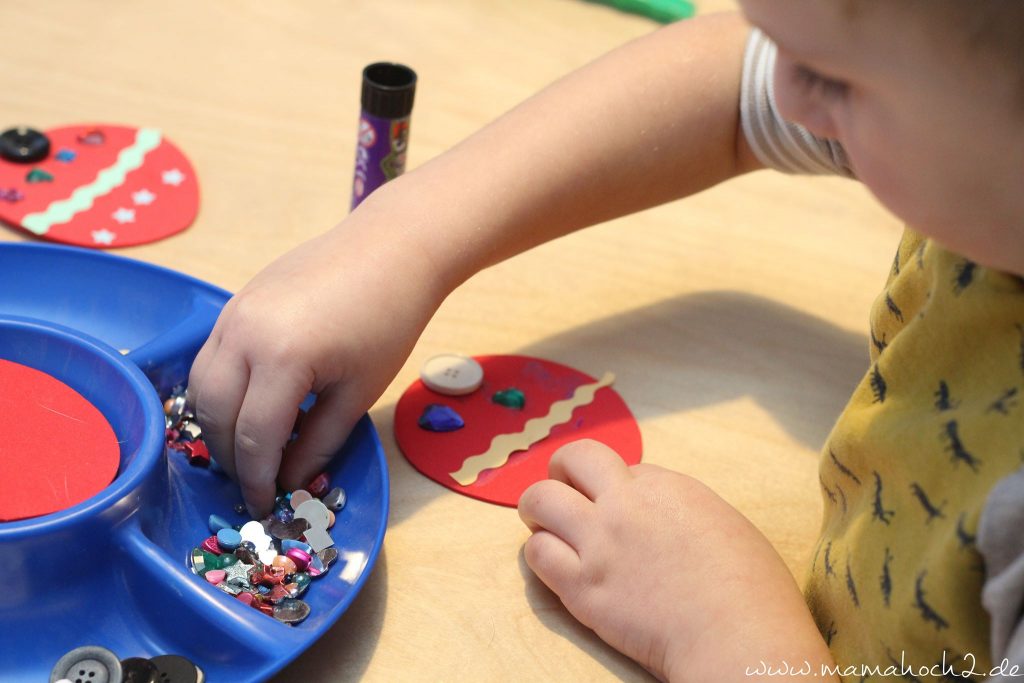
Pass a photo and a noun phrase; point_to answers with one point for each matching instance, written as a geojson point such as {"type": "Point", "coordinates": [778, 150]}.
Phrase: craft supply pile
{"type": "Point", "coordinates": [267, 564]}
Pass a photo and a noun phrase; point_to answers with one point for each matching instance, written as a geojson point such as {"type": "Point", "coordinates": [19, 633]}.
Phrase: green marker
{"type": "Point", "coordinates": [664, 11]}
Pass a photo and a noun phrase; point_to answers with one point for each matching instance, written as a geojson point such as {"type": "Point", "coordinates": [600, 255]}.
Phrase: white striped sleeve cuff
{"type": "Point", "coordinates": [780, 144]}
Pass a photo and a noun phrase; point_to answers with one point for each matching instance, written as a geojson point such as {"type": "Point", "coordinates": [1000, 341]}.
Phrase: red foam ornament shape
{"type": "Point", "coordinates": [56, 448]}
{"type": "Point", "coordinates": [124, 186]}
{"type": "Point", "coordinates": [437, 454]}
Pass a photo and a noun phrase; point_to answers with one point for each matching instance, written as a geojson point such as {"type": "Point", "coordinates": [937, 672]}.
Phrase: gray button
{"type": "Point", "coordinates": [89, 664]}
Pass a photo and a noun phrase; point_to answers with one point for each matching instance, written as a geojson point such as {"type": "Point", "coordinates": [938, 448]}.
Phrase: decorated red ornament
{"type": "Point", "coordinates": [543, 383]}
{"type": "Point", "coordinates": [101, 186]}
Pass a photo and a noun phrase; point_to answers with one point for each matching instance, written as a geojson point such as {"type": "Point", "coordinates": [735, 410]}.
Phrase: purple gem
{"type": "Point", "coordinates": [10, 194]}
{"type": "Point", "coordinates": [440, 418]}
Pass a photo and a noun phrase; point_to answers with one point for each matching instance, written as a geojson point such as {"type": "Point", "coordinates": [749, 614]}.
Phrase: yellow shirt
{"type": "Point", "coordinates": [936, 422]}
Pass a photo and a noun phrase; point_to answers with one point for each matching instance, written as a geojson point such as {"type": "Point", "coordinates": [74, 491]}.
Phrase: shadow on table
{"type": "Point", "coordinates": [713, 347]}
{"type": "Point", "coordinates": [702, 349]}
{"type": "Point", "coordinates": [344, 652]}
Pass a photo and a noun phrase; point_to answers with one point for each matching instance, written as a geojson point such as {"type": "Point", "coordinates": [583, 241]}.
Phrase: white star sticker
{"type": "Point", "coordinates": [103, 236]}
{"type": "Point", "coordinates": [143, 197]}
{"type": "Point", "coordinates": [123, 216]}
{"type": "Point", "coordinates": [173, 177]}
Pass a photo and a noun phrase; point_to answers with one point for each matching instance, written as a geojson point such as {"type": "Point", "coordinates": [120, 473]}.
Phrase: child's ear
{"type": "Point", "coordinates": [799, 104]}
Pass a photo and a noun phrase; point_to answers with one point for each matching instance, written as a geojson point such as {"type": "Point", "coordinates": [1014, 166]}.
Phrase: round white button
{"type": "Point", "coordinates": [452, 374]}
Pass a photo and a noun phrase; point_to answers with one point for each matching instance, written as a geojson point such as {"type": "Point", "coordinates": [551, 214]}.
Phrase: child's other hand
{"type": "Point", "coordinates": [663, 569]}
{"type": "Point", "coordinates": [337, 317]}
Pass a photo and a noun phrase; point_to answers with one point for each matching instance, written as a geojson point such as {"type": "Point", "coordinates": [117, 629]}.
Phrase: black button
{"type": "Point", "coordinates": [176, 669]}
{"type": "Point", "coordinates": [24, 145]}
{"type": "Point", "coordinates": [138, 670]}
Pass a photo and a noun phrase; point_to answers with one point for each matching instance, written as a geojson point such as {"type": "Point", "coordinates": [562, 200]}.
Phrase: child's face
{"type": "Point", "coordinates": [933, 127]}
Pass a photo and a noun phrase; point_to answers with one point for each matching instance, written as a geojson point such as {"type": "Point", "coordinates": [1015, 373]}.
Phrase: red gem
{"type": "Point", "coordinates": [277, 594]}
{"type": "Point", "coordinates": [245, 597]}
{"type": "Point", "coordinates": [197, 452]}
{"type": "Point", "coordinates": [320, 485]}
{"type": "Point", "coordinates": [211, 545]}
{"type": "Point", "coordinates": [270, 576]}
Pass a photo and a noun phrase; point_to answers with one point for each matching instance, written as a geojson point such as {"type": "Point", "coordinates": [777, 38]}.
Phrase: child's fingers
{"type": "Point", "coordinates": [324, 430]}
{"type": "Point", "coordinates": [588, 466]}
{"type": "Point", "coordinates": [217, 393]}
{"type": "Point", "coordinates": [553, 506]}
{"type": "Point", "coordinates": [553, 561]}
{"type": "Point", "coordinates": [264, 426]}
{"type": "Point", "coordinates": [200, 365]}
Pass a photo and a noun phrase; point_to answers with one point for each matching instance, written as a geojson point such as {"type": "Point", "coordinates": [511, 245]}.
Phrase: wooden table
{"type": "Point", "coordinates": [734, 321]}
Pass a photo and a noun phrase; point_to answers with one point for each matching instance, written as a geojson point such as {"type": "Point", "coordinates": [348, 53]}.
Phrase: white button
{"type": "Point", "coordinates": [251, 530]}
{"type": "Point", "coordinates": [452, 374]}
{"type": "Point", "coordinates": [254, 533]}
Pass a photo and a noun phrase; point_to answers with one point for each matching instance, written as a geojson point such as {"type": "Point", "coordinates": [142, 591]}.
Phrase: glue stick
{"type": "Point", "coordinates": [387, 96]}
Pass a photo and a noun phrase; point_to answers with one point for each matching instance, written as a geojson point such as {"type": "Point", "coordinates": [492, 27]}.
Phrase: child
{"type": "Point", "coordinates": [921, 101]}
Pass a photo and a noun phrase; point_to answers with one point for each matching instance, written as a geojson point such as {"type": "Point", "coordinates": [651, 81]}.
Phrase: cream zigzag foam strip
{"type": "Point", "coordinates": [129, 159]}
{"type": "Point", "coordinates": [504, 445]}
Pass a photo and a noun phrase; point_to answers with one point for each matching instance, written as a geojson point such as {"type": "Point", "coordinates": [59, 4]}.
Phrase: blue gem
{"type": "Point", "coordinates": [228, 539]}
{"type": "Point", "coordinates": [216, 523]}
{"type": "Point", "coordinates": [65, 155]}
{"type": "Point", "coordinates": [440, 418]}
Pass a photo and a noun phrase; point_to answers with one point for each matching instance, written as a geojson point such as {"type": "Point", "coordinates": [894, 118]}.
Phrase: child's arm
{"type": "Point", "coordinates": [650, 122]}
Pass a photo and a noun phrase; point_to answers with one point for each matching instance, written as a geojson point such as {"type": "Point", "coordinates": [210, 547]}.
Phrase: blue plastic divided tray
{"type": "Point", "coordinates": [113, 570]}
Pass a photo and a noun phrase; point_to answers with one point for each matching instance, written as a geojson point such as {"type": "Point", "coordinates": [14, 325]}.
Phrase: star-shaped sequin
{"type": "Point", "coordinates": [173, 177]}
{"type": "Point", "coordinates": [124, 215]}
{"type": "Point", "coordinates": [143, 197]}
{"type": "Point", "coordinates": [238, 573]}
{"type": "Point", "coordinates": [103, 236]}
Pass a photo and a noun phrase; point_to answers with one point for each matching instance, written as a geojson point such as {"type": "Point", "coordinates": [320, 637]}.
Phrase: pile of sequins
{"type": "Point", "coordinates": [183, 433]}
{"type": "Point", "coordinates": [269, 564]}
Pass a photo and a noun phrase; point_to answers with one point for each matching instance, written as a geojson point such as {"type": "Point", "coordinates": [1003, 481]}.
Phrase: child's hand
{"type": "Point", "coordinates": [337, 316]}
{"type": "Point", "coordinates": [664, 570]}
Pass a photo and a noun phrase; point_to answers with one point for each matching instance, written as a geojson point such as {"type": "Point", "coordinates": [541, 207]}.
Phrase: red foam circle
{"type": "Point", "coordinates": [436, 454]}
{"type": "Point", "coordinates": [56, 448]}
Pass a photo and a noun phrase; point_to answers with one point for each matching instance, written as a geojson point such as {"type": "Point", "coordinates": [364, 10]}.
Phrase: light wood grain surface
{"type": "Point", "coordinates": [734, 320]}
